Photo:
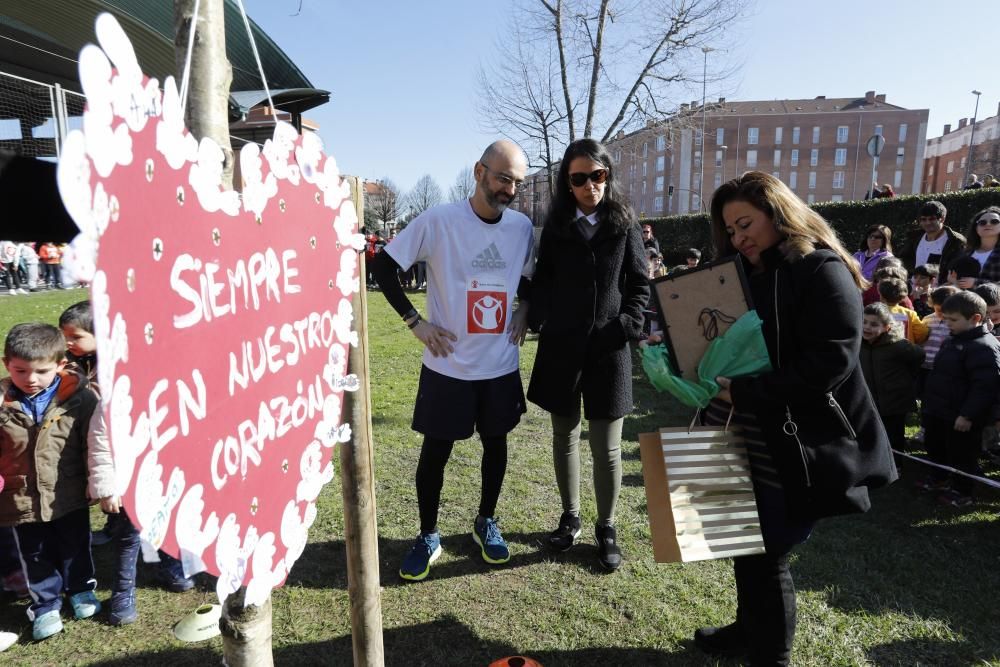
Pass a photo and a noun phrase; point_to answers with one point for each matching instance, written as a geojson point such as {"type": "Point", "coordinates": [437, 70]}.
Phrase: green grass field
{"type": "Point", "coordinates": [910, 583]}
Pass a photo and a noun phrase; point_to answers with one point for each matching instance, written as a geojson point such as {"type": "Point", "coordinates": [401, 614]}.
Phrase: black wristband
{"type": "Point", "coordinates": [410, 313]}
{"type": "Point", "coordinates": [415, 321]}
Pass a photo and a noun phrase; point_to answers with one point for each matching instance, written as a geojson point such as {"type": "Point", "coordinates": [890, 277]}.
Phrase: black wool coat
{"type": "Point", "coordinates": [814, 408]}
{"type": "Point", "coordinates": [587, 302]}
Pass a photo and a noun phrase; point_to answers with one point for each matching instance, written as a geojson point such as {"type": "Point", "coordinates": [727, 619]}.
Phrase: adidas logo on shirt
{"type": "Point", "coordinates": [489, 259]}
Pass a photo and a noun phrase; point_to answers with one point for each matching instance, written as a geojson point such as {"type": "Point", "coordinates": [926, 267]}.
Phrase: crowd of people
{"type": "Point", "coordinates": [853, 342]}
{"type": "Point", "coordinates": [30, 267]}
{"type": "Point", "coordinates": [413, 278]}
{"type": "Point", "coordinates": [989, 181]}
{"type": "Point", "coordinates": [931, 322]}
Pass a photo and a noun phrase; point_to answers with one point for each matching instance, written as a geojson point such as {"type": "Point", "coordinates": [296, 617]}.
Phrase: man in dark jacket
{"type": "Point", "coordinates": [648, 240]}
{"type": "Point", "coordinates": [960, 393]}
{"type": "Point", "coordinates": [934, 242]}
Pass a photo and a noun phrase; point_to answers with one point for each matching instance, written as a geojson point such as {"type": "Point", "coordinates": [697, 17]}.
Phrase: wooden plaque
{"type": "Point", "coordinates": [697, 306]}
{"type": "Point", "coordinates": [699, 495]}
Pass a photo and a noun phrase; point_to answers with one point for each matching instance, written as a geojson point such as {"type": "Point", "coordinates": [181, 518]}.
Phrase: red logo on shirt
{"type": "Point", "coordinates": [486, 312]}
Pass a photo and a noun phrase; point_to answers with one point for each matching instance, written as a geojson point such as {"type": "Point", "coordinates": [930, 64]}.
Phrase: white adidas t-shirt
{"type": "Point", "coordinates": [473, 269]}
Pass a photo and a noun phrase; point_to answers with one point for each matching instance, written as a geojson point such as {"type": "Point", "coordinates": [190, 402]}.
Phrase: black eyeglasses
{"type": "Point", "coordinates": [596, 177]}
{"type": "Point", "coordinates": [982, 222]}
{"type": "Point", "coordinates": [504, 178]}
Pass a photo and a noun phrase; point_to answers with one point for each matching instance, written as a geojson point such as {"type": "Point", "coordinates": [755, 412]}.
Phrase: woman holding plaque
{"type": "Point", "coordinates": [589, 292]}
{"type": "Point", "coordinates": [815, 441]}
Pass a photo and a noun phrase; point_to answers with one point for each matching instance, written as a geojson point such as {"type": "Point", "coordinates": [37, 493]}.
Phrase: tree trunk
{"type": "Point", "coordinates": [207, 113]}
{"type": "Point", "coordinates": [556, 11]}
{"type": "Point", "coordinates": [246, 631]}
{"type": "Point", "coordinates": [597, 46]}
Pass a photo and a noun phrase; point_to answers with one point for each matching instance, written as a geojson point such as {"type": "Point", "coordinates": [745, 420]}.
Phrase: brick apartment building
{"type": "Point", "coordinates": [945, 156]}
{"type": "Point", "coordinates": [816, 146]}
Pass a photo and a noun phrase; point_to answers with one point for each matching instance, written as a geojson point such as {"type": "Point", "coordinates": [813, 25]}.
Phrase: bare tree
{"type": "Point", "coordinates": [623, 63]}
{"type": "Point", "coordinates": [518, 98]}
{"type": "Point", "coordinates": [425, 193]}
{"type": "Point", "coordinates": [384, 201]}
{"type": "Point", "coordinates": [464, 186]}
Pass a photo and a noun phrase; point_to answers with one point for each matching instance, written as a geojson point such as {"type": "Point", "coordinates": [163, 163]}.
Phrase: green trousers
{"type": "Point", "coordinates": [605, 436]}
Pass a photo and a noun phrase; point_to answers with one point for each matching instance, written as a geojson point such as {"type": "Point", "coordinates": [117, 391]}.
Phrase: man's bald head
{"type": "Point", "coordinates": [504, 150]}
{"type": "Point", "coordinates": [499, 174]}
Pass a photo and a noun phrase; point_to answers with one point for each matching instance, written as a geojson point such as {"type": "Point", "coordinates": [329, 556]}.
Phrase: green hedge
{"type": "Point", "coordinates": [850, 219]}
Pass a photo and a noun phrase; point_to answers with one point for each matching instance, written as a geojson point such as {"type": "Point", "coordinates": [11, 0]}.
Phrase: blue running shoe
{"type": "Point", "coordinates": [487, 535]}
{"type": "Point", "coordinates": [417, 564]}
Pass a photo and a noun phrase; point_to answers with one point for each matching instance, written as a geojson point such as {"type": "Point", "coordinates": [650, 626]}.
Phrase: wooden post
{"type": "Point", "coordinates": [246, 630]}
{"type": "Point", "coordinates": [357, 477]}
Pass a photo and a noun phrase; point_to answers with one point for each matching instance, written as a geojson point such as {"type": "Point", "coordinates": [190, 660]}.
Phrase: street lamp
{"type": "Point", "coordinates": [972, 137]}
{"type": "Point", "coordinates": [704, 83]}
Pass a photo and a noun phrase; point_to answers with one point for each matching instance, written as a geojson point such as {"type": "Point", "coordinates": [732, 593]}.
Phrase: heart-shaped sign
{"type": "Point", "coordinates": [223, 321]}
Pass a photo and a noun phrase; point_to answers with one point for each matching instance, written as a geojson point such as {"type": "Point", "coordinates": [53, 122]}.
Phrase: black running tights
{"type": "Point", "coordinates": [430, 476]}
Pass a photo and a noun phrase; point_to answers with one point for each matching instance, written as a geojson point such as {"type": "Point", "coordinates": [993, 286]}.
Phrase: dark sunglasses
{"type": "Point", "coordinates": [596, 177]}
{"type": "Point", "coordinates": [982, 222]}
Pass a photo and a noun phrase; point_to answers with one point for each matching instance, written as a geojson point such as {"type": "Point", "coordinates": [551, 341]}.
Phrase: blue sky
{"type": "Point", "coordinates": [402, 75]}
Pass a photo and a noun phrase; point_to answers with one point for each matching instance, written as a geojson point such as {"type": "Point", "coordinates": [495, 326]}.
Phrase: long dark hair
{"type": "Point", "coordinates": [803, 229]}
{"type": "Point", "coordinates": [972, 240]}
{"type": "Point", "coordinates": [613, 208]}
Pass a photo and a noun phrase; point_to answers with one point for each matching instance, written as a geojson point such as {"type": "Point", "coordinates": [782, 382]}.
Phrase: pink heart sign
{"type": "Point", "coordinates": [223, 321]}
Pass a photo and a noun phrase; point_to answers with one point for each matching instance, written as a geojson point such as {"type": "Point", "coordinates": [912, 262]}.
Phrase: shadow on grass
{"type": "Point", "coordinates": [445, 641]}
{"type": "Point", "coordinates": [632, 479]}
{"type": "Point", "coordinates": [911, 556]}
{"type": "Point", "coordinates": [916, 652]}
{"type": "Point", "coordinates": [324, 564]}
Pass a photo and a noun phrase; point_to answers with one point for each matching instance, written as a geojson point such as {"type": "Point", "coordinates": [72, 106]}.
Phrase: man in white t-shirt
{"type": "Point", "coordinates": [934, 242]}
{"type": "Point", "coordinates": [479, 256]}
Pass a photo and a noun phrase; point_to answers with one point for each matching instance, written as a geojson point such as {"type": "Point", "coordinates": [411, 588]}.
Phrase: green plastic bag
{"type": "Point", "coordinates": [738, 352]}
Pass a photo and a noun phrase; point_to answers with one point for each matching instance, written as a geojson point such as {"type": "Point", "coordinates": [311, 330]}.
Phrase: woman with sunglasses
{"type": "Point", "coordinates": [589, 292]}
{"type": "Point", "coordinates": [981, 243]}
{"type": "Point", "coordinates": [815, 443]}
{"type": "Point", "coordinates": [876, 244]}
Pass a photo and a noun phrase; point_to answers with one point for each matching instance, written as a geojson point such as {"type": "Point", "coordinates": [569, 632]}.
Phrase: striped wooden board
{"type": "Point", "coordinates": [699, 495]}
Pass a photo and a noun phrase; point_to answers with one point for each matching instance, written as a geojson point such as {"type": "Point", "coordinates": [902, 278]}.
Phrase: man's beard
{"type": "Point", "coordinates": [493, 199]}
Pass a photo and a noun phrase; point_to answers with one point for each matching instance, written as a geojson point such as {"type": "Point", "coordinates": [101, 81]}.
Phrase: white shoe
{"type": "Point", "coordinates": [22, 291]}
{"type": "Point", "coordinates": [7, 639]}
{"type": "Point", "coordinates": [13, 292]}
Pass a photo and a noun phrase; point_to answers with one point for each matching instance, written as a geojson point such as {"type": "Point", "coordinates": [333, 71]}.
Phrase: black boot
{"type": "Point", "coordinates": [563, 537]}
{"type": "Point", "coordinates": [767, 599]}
{"type": "Point", "coordinates": [607, 547]}
{"type": "Point", "coordinates": [728, 640]}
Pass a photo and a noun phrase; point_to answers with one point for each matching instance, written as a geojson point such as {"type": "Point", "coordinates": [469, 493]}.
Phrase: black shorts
{"type": "Point", "coordinates": [450, 409]}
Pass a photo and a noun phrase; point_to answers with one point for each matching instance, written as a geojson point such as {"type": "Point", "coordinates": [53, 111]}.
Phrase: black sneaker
{"type": "Point", "coordinates": [727, 640]}
{"type": "Point", "coordinates": [607, 547]}
{"type": "Point", "coordinates": [563, 537]}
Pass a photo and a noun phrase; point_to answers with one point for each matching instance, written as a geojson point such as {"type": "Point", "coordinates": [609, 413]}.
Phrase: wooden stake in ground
{"type": "Point", "coordinates": [357, 478]}
{"type": "Point", "coordinates": [246, 630]}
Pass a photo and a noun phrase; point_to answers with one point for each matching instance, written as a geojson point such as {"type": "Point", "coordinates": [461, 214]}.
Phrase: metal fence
{"type": "Point", "coordinates": [35, 117]}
